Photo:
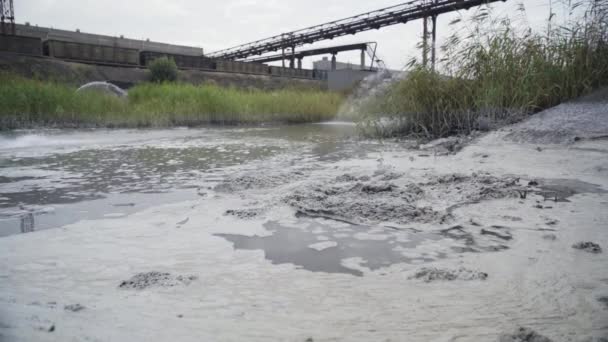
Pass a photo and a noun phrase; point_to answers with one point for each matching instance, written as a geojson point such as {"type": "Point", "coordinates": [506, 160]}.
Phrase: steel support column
{"type": "Point", "coordinates": [283, 57]}
{"type": "Point", "coordinates": [433, 41]}
{"type": "Point", "coordinates": [334, 62]}
{"type": "Point", "coordinates": [434, 38]}
{"type": "Point", "coordinates": [425, 42]}
{"type": "Point", "coordinates": [362, 59]}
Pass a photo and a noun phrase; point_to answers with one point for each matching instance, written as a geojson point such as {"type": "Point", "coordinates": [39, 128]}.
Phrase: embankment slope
{"type": "Point", "coordinates": [80, 73]}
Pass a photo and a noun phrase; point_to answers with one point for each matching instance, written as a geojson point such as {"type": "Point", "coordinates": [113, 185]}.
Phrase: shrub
{"type": "Point", "coordinates": [163, 70]}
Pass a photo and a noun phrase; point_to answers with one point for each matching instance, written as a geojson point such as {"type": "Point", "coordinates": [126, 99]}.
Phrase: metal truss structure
{"type": "Point", "coordinates": [7, 17]}
{"type": "Point", "coordinates": [312, 52]}
{"type": "Point", "coordinates": [399, 14]}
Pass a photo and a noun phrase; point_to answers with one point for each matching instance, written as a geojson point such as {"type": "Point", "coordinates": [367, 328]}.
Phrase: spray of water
{"type": "Point", "coordinates": [366, 91]}
{"type": "Point", "coordinates": [105, 87]}
{"type": "Point", "coordinates": [34, 141]}
{"type": "Point", "coordinates": [370, 88]}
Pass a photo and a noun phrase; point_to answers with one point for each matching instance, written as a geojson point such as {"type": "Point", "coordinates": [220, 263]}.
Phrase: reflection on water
{"type": "Point", "coordinates": [27, 223]}
{"type": "Point", "coordinates": [337, 243]}
{"type": "Point", "coordinates": [559, 190]}
{"type": "Point", "coordinates": [89, 174]}
{"type": "Point", "coordinates": [62, 176]}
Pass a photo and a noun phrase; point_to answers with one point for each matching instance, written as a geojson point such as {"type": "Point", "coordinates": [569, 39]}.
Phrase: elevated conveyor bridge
{"type": "Point", "coordinates": [399, 14]}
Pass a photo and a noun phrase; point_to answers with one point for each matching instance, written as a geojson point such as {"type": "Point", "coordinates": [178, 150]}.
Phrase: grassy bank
{"type": "Point", "coordinates": [497, 70]}
{"type": "Point", "coordinates": [31, 103]}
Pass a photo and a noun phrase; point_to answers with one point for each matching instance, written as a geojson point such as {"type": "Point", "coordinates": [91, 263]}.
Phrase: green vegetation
{"type": "Point", "coordinates": [29, 103]}
{"type": "Point", "coordinates": [497, 72]}
{"type": "Point", "coordinates": [163, 70]}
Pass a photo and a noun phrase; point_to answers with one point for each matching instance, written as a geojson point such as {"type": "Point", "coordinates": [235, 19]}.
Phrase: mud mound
{"type": "Point", "coordinates": [362, 201]}
{"type": "Point", "coordinates": [523, 335]}
{"type": "Point", "coordinates": [375, 199]}
{"type": "Point", "coordinates": [447, 145]}
{"type": "Point", "coordinates": [497, 232]}
{"type": "Point", "coordinates": [473, 188]}
{"type": "Point", "coordinates": [244, 214]}
{"type": "Point", "coordinates": [430, 274]}
{"type": "Point", "coordinates": [350, 178]}
{"type": "Point", "coordinates": [142, 281]}
{"type": "Point", "coordinates": [384, 175]}
{"type": "Point", "coordinates": [587, 246]}
{"type": "Point", "coordinates": [484, 240]}
{"type": "Point", "coordinates": [246, 182]}
{"type": "Point", "coordinates": [257, 181]}
{"type": "Point", "coordinates": [74, 307]}
{"type": "Point", "coordinates": [566, 123]}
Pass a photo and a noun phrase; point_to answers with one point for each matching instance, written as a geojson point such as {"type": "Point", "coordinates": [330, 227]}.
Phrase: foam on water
{"type": "Point", "coordinates": [35, 140]}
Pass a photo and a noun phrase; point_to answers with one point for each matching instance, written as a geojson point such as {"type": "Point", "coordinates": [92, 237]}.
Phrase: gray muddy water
{"type": "Point", "coordinates": [322, 246]}
{"type": "Point", "coordinates": [52, 178]}
{"type": "Point", "coordinates": [302, 233]}
{"type": "Point", "coordinates": [55, 177]}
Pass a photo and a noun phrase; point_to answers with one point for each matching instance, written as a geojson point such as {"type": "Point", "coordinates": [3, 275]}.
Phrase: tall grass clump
{"type": "Point", "coordinates": [27, 103]}
{"type": "Point", "coordinates": [498, 71]}
{"type": "Point", "coordinates": [31, 103]}
{"type": "Point", "coordinates": [185, 104]}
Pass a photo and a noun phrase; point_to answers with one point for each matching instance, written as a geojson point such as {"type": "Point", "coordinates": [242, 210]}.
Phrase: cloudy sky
{"type": "Point", "coordinates": [214, 25]}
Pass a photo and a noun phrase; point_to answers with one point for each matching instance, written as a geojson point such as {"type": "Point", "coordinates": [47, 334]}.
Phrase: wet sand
{"type": "Point", "coordinates": [390, 244]}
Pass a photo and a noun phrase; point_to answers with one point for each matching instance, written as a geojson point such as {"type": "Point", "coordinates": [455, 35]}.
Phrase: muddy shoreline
{"type": "Point", "coordinates": [332, 241]}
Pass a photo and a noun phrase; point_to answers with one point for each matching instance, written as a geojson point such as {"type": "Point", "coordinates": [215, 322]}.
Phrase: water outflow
{"type": "Point", "coordinates": [8, 145]}
{"type": "Point", "coordinates": [368, 89]}
{"type": "Point", "coordinates": [105, 87]}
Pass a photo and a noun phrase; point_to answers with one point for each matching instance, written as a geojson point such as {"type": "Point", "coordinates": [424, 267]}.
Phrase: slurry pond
{"type": "Point", "coordinates": [304, 233]}
{"type": "Point", "coordinates": [51, 178]}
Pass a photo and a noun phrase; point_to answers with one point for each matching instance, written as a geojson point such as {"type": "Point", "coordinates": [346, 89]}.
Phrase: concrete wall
{"type": "Point", "coordinates": [290, 72]}
{"type": "Point", "coordinates": [88, 52]}
{"type": "Point", "coordinates": [345, 79]}
{"type": "Point", "coordinates": [88, 38]}
{"type": "Point", "coordinates": [234, 66]}
{"type": "Point", "coordinates": [20, 44]}
{"type": "Point", "coordinates": [78, 74]}
{"type": "Point", "coordinates": [325, 64]}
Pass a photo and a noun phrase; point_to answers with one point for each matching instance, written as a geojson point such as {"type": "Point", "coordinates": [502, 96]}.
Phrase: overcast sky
{"type": "Point", "coordinates": [214, 25]}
